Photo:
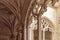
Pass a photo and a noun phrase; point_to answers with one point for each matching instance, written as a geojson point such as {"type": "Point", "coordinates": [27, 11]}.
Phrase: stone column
{"type": "Point", "coordinates": [20, 33]}
{"type": "Point", "coordinates": [13, 36]}
{"type": "Point", "coordinates": [43, 35]}
{"type": "Point", "coordinates": [39, 27]}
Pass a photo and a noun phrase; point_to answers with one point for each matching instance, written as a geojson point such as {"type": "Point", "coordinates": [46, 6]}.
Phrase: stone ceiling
{"type": "Point", "coordinates": [19, 7]}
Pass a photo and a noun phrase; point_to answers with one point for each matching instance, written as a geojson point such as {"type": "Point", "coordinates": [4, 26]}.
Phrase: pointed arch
{"type": "Point", "coordinates": [49, 21]}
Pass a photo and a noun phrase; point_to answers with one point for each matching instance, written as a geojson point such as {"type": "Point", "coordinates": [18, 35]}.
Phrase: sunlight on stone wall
{"type": "Point", "coordinates": [51, 14]}
{"type": "Point", "coordinates": [54, 16]}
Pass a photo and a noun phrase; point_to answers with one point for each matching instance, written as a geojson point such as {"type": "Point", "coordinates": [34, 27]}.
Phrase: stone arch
{"type": "Point", "coordinates": [31, 7]}
{"type": "Point", "coordinates": [42, 10]}
{"type": "Point", "coordinates": [47, 30]}
{"type": "Point", "coordinates": [26, 18]}
{"type": "Point", "coordinates": [29, 10]}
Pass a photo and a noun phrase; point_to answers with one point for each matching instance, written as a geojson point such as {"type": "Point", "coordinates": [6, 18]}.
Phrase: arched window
{"type": "Point", "coordinates": [46, 29]}
{"type": "Point", "coordinates": [33, 23]}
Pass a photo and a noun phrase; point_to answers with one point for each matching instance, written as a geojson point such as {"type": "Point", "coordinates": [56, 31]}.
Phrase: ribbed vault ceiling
{"type": "Point", "coordinates": [19, 7]}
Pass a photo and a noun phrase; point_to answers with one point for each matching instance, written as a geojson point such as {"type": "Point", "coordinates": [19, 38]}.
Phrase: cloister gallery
{"type": "Point", "coordinates": [29, 19]}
